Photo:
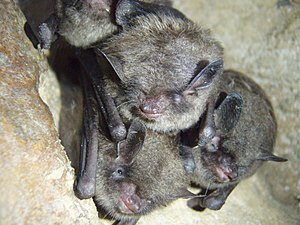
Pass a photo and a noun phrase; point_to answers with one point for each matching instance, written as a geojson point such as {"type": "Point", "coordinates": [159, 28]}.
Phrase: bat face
{"type": "Point", "coordinates": [221, 167]}
{"type": "Point", "coordinates": [154, 178]}
{"type": "Point", "coordinates": [168, 67]}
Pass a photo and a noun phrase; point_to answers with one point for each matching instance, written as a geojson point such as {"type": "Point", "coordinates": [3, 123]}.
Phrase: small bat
{"type": "Point", "coordinates": [245, 138]}
{"type": "Point", "coordinates": [168, 67]}
{"type": "Point", "coordinates": [128, 189]}
{"type": "Point", "coordinates": [145, 171]}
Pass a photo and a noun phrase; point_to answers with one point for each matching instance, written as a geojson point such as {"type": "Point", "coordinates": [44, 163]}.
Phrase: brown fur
{"type": "Point", "coordinates": [156, 171]}
{"type": "Point", "coordinates": [254, 134]}
{"type": "Point", "coordinates": [83, 23]}
{"type": "Point", "coordinates": [158, 56]}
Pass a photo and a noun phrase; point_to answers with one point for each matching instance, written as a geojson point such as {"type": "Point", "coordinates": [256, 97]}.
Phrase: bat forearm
{"type": "Point", "coordinates": [106, 104]}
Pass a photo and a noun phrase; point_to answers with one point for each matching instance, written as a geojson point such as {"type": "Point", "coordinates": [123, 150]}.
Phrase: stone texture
{"type": "Point", "coordinates": [36, 181]}
{"type": "Point", "coordinates": [261, 39]}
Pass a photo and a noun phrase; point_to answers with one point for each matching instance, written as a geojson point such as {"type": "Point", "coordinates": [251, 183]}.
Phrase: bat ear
{"type": "Point", "coordinates": [129, 148]}
{"type": "Point", "coordinates": [127, 10]}
{"type": "Point", "coordinates": [205, 77]}
{"type": "Point", "coordinates": [114, 63]}
{"type": "Point", "coordinates": [227, 113]}
{"type": "Point", "coordinates": [267, 156]}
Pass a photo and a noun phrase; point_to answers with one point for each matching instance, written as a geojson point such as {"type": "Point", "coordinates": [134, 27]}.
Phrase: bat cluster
{"type": "Point", "coordinates": [159, 111]}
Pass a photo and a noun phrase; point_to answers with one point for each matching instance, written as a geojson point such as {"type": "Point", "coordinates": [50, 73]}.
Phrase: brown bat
{"type": "Point", "coordinates": [245, 138]}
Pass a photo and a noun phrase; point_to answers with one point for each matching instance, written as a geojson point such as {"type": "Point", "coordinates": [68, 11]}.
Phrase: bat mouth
{"type": "Point", "coordinates": [225, 175]}
{"type": "Point", "coordinates": [129, 202]}
{"type": "Point", "coordinates": [124, 207]}
{"type": "Point", "coordinates": [145, 116]}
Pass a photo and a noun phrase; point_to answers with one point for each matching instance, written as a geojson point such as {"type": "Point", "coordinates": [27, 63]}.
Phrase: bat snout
{"type": "Point", "coordinates": [129, 202]}
{"type": "Point", "coordinates": [226, 173]}
{"type": "Point", "coordinates": [153, 107]}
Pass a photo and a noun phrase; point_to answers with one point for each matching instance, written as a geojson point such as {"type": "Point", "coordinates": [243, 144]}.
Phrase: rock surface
{"type": "Point", "coordinates": [36, 181]}
{"type": "Point", "coordinates": [261, 39]}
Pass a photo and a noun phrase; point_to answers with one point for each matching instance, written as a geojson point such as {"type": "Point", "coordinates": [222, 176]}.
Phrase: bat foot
{"type": "Point", "coordinates": [216, 199]}
{"type": "Point", "coordinates": [46, 32]}
{"type": "Point", "coordinates": [212, 202]}
{"type": "Point", "coordinates": [118, 133]}
{"type": "Point", "coordinates": [85, 187]}
{"type": "Point", "coordinates": [194, 204]}
{"type": "Point", "coordinates": [189, 165]}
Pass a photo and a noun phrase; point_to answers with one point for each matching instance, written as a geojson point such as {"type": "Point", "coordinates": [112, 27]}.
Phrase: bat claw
{"type": "Point", "coordinates": [118, 133]}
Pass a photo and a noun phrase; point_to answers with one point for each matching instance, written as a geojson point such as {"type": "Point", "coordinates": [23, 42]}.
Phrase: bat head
{"type": "Point", "coordinates": [153, 177]}
{"type": "Point", "coordinates": [169, 68]}
{"type": "Point", "coordinates": [83, 23]}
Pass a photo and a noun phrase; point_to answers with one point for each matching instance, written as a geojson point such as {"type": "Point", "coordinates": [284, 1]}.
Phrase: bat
{"type": "Point", "coordinates": [170, 76]}
{"type": "Point", "coordinates": [166, 79]}
{"type": "Point", "coordinates": [245, 138]}
{"type": "Point", "coordinates": [182, 58]}
{"type": "Point", "coordinates": [168, 67]}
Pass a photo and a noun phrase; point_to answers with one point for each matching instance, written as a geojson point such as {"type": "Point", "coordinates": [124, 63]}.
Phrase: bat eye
{"type": "Point", "coordinates": [177, 98]}
{"type": "Point", "coordinates": [119, 173]}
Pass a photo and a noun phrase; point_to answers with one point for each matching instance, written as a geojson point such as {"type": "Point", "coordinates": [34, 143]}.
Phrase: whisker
{"type": "Point", "coordinates": [124, 103]}
{"type": "Point", "coordinates": [107, 214]}
{"type": "Point", "coordinates": [208, 186]}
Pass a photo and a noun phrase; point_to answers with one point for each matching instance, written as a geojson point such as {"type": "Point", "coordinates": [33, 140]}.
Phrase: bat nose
{"type": "Point", "coordinates": [154, 106]}
{"type": "Point", "coordinates": [232, 172]}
